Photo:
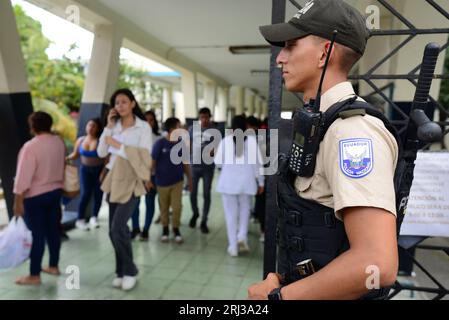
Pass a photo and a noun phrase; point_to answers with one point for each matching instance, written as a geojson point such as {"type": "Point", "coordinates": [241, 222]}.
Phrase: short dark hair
{"type": "Point", "coordinates": [171, 124]}
{"type": "Point", "coordinates": [348, 58]}
{"type": "Point", "coordinates": [40, 122]}
{"type": "Point", "coordinates": [253, 121]}
{"type": "Point", "coordinates": [206, 111]}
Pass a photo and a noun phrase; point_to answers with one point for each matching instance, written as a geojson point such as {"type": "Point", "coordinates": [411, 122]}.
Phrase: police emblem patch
{"type": "Point", "coordinates": [356, 157]}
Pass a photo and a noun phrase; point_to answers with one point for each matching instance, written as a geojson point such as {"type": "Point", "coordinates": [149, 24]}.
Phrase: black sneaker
{"type": "Point", "coordinates": [192, 223]}
{"type": "Point", "coordinates": [135, 233]}
{"type": "Point", "coordinates": [204, 228]}
{"type": "Point", "coordinates": [178, 237]}
{"type": "Point", "coordinates": [144, 236]}
{"type": "Point", "coordinates": [165, 234]}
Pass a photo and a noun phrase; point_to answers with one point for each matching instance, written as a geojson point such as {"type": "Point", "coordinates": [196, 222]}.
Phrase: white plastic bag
{"type": "Point", "coordinates": [15, 244]}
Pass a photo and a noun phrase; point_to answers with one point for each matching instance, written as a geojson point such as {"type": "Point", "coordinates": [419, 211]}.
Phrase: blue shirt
{"type": "Point", "coordinates": [167, 173]}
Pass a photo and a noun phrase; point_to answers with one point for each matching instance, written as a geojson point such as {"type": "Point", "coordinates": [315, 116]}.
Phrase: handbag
{"type": "Point", "coordinates": [71, 182]}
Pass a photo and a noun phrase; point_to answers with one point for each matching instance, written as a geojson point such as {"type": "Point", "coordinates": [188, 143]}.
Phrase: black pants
{"type": "Point", "coordinates": [42, 216]}
{"type": "Point", "coordinates": [119, 214]}
{"type": "Point", "coordinates": [207, 173]}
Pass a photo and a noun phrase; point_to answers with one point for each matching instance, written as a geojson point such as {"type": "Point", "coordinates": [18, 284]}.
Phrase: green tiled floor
{"type": "Point", "coordinates": [198, 269]}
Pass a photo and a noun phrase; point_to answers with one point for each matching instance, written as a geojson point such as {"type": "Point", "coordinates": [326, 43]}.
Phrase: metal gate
{"type": "Point", "coordinates": [285, 128]}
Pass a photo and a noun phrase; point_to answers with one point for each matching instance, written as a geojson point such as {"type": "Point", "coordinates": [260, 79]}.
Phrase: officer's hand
{"type": "Point", "coordinates": [260, 190]}
{"type": "Point", "coordinates": [261, 290]}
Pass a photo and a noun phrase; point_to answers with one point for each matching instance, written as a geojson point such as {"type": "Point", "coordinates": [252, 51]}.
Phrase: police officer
{"type": "Point", "coordinates": [354, 171]}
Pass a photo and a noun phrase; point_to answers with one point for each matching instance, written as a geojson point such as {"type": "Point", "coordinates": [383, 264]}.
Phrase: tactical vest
{"type": "Point", "coordinates": [307, 229]}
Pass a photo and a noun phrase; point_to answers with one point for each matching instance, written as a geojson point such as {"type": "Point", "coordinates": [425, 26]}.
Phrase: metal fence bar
{"type": "Point", "coordinates": [438, 8]}
{"type": "Point", "coordinates": [275, 107]}
{"type": "Point", "coordinates": [403, 32]}
{"type": "Point", "coordinates": [392, 53]}
{"type": "Point", "coordinates": [397, 14]}
{"type": "Point", "coordinates": [396, 77]}
{"type": "Point", "coordinates": [296, 4]}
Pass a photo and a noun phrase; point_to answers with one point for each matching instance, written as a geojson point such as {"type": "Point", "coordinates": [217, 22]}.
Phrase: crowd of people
{"type": "Point", "coordinates": [126, 158]}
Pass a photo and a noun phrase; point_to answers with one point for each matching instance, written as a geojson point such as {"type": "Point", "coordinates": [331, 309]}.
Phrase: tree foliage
{"type": "Point", "coordinates": [60, 81]}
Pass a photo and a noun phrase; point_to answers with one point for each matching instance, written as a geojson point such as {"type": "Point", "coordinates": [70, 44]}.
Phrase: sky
{"type": "Point", "coordinates": [63, 34]}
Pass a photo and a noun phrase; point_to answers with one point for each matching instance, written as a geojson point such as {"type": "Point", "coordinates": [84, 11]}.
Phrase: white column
{"type": "Point", "coordinates": [104, 65]}
{"type": "Point", "coordinates": [264, 112]}
{"type": "Point", "coordinates": [240, 101]}
{"type": "Point", "coordinates": [167, 103]}
{"type": "Point", "coordinates": [190, 93]}
{"type": "Point", "coordinates": [222, 105]}
{"type": "Point", "coordinates": [210, 98]}
{"type": "Point", "coordinates": [13, 77]}
{"type": "Point", "coordinates": [258, 110]}
{"type": "Point", "coordinates": [15, 100]}
{"type": "Point", "coordinates": [250, 103]}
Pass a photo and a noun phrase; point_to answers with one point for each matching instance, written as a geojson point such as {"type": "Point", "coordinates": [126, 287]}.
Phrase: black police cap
{"type": "Point", "coordinates": [321, 18]}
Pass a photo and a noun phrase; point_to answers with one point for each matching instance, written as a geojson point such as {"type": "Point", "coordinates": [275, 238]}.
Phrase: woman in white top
{"type": "Point", "coordinates": [240, 180]}
{"type": "Point", "coordinates": [126, 127]}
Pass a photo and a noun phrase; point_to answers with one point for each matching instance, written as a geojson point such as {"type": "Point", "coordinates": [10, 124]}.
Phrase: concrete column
{"type": "Point", "coordinates": [167, 103]}
{"type": "Point", "coordinates": [221, 112]}
{"type": "Point", "coordinates": [103, 73]}
{"type": "Point", "coordinates": [210, 95]}
{"type": "Point", "coordinates": [240, 101]}
{"type": "Point", "coordinates": [250, 103]}
{"type": "Point", "coordinates": [259, 106]}
{"type": "Point", "coordinates": [15, 100]}
{"type": "Point", "coordinates": [190, 92]}
{"type": "Point", "coordinates": [264, 110]}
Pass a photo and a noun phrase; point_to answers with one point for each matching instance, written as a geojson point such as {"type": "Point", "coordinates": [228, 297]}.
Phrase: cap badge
{"type": "Point", "coordinates": [304, 10]}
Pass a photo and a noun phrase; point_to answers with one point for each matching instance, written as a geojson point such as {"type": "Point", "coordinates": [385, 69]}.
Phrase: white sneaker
{"type": "Point", "coordinates": [243, 246]}
{"type": "Point", "coordinates": [179, 239]}
{"type": "Point", "coordinates": [94, 223]}
{"type": "Point", "coordinates": [117, 282]}
{"type": "Point", "coordinates": [233, 252]}
{"type": "Point", "coordinates": [81, 224]}
{"type": "Point", "coordinates": [128, 283]}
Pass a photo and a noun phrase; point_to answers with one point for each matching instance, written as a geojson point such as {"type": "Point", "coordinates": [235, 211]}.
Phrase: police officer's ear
{"type": "Point", "coordinates": [324, 47]}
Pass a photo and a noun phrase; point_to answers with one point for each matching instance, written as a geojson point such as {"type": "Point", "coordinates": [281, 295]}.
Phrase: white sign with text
{"type": "Point", "coordinates": [427, 212]}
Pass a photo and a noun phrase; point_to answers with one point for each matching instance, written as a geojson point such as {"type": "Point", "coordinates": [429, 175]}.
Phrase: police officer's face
{"type": "Point", "coordinates": [300, 63]}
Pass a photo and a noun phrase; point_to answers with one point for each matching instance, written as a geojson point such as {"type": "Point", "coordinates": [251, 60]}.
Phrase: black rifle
{"type": "Point", "coordinates": [420, 129]}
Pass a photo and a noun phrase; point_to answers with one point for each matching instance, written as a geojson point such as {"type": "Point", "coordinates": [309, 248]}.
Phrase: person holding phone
{"type": "Point", "coordinates": [127, 138]}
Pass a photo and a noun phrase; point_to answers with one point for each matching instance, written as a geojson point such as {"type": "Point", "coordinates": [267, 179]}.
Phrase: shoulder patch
{"type": "Point", "coordinates": [356, 157]}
